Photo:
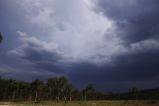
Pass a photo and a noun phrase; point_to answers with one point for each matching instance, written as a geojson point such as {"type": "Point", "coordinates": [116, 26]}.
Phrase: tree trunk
{"type": "Point", "coordinates": [85, 97]}
{"type": "Point", "coordinates": [65, 99]}
{"type": "Point", "coordinates": [57, 98]}
{"type": "Point", "coordinates": [70, 98]}
{"type": "Point", "coordinates": [13, 96]}
{"type": "Point", "coordinates": [36, 96]}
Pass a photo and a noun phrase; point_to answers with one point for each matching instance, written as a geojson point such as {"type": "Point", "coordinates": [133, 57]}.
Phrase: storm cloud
{"type": "Point", "coordinates": [138, 19]}
{"type": "Point", "coordinates": [104, 42]}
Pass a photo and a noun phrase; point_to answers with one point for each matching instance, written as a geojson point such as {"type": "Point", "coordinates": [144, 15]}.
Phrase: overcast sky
{"type": "Point", "coordinates": [113, 44]}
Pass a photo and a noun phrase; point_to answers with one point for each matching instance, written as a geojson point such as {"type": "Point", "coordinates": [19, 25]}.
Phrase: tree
{"type": "Point", "coordinates": [134, 93]}
{"type": "Point", "coordinates": [52, 84]}
{"type": "Point", "coordinates": [61, 86]}
{"type": "Point", "coordinates": [23, 91]}
{"type": "Point", "coordinates": [37, 87]}
{"type": "Point", "coordinates": [13, 86]}
{"type": "Point", "coordinates": [1, 38]}
{"type": "Point", "coordinates": [88, 90]}
{"type": "Point", "coordinates": [68, 92]}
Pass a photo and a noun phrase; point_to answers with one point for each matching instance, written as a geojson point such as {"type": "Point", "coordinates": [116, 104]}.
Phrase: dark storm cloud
{"type": "Point", "coordinates": [137, 23]}
{"type": "Point", "coordinates": [132, 67]}
{"type": "Point", "coordinates": [43, 60]}
{"type": "Point", "coordinates": [137, 18]}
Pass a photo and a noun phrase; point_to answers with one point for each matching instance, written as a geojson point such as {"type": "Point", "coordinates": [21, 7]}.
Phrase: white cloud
{"type": "Point", "coordinates": [144, 46]}
{"type": "Point", "coordinates": [75, 30]}
{"type": "Point", "coordinates": [33, 43]}
{"type": "Point", "coordinates": [5, 69]}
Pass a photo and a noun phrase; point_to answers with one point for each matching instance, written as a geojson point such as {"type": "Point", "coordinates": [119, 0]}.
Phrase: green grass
{"type": "Point", "coordinates": [81, 103]}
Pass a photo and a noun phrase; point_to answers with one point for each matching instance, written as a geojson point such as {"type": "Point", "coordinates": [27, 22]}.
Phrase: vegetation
{"type": "Point", "coordinates": [60, 89]}
{"type": "Point", "coordinates": [83, 103]}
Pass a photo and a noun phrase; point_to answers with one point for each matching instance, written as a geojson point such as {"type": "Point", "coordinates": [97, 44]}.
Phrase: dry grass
{"type": "Point", "coordinates": [81, 103]}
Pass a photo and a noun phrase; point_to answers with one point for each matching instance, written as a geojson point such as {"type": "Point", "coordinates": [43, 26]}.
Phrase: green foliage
{"type": "Point", "coordinates": [60, 89]}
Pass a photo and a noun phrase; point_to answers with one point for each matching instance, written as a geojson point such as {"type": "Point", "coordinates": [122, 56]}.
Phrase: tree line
{"type": "Point", "coordinates": [56, 88]}
{"type": "Point", "coordinates": [60, 89]}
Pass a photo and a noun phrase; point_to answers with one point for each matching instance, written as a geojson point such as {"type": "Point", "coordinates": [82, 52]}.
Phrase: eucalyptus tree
{"type": "Point", "coordinates": [133, 93]}
{"type": "Point", "coordinates": [61, 86]}
{"type": "Point", "coordinates": [68, 91]}
{"type": "Point", "coordinates": [3, 89]}
{"type": "Point", "coordinates": [37, 88]}
{"type": "Point", "coordinates": [52, 84]}
{"type": "Point", "coordinates": [88, 90]}
{"type": "Point", "coordinates": [13, 87]}
{"type": "Point", "coordinates": [23, 90]}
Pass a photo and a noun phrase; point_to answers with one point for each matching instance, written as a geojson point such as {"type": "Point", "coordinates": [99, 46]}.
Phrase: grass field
{"type": "Point", "coordinates": [88, 103]}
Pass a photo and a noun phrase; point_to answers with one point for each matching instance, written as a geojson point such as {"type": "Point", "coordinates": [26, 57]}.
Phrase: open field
{"type": "Point", "coordinates": [79, 103]}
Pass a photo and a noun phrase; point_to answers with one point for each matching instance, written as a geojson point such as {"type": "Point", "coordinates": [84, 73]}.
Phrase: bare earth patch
{"type": "Point", "coordinates": [6, 104]}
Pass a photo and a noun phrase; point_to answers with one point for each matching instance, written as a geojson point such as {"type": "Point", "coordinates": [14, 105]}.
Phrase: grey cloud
{"type": "Point", "coordinates": [132, 68]}
{"type": "Point", "coordinates": [38, 53]}
{"type": "Point", "coordinates": [137, 18]}
{"type": "Point", "coordinates": [82, 34]}
{"type": "Point", "coordinates": [44, 60]}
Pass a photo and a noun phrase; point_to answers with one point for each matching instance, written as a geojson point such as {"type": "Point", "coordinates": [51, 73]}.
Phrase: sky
{"type": "Point", "coordinates": [112, 44]}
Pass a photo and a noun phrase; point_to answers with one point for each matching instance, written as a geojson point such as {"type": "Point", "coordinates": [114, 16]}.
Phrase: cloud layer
{"type": "Point", "coordinates": [104, 42]}
{"type": "Point", "coordinates": [77, 31]}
